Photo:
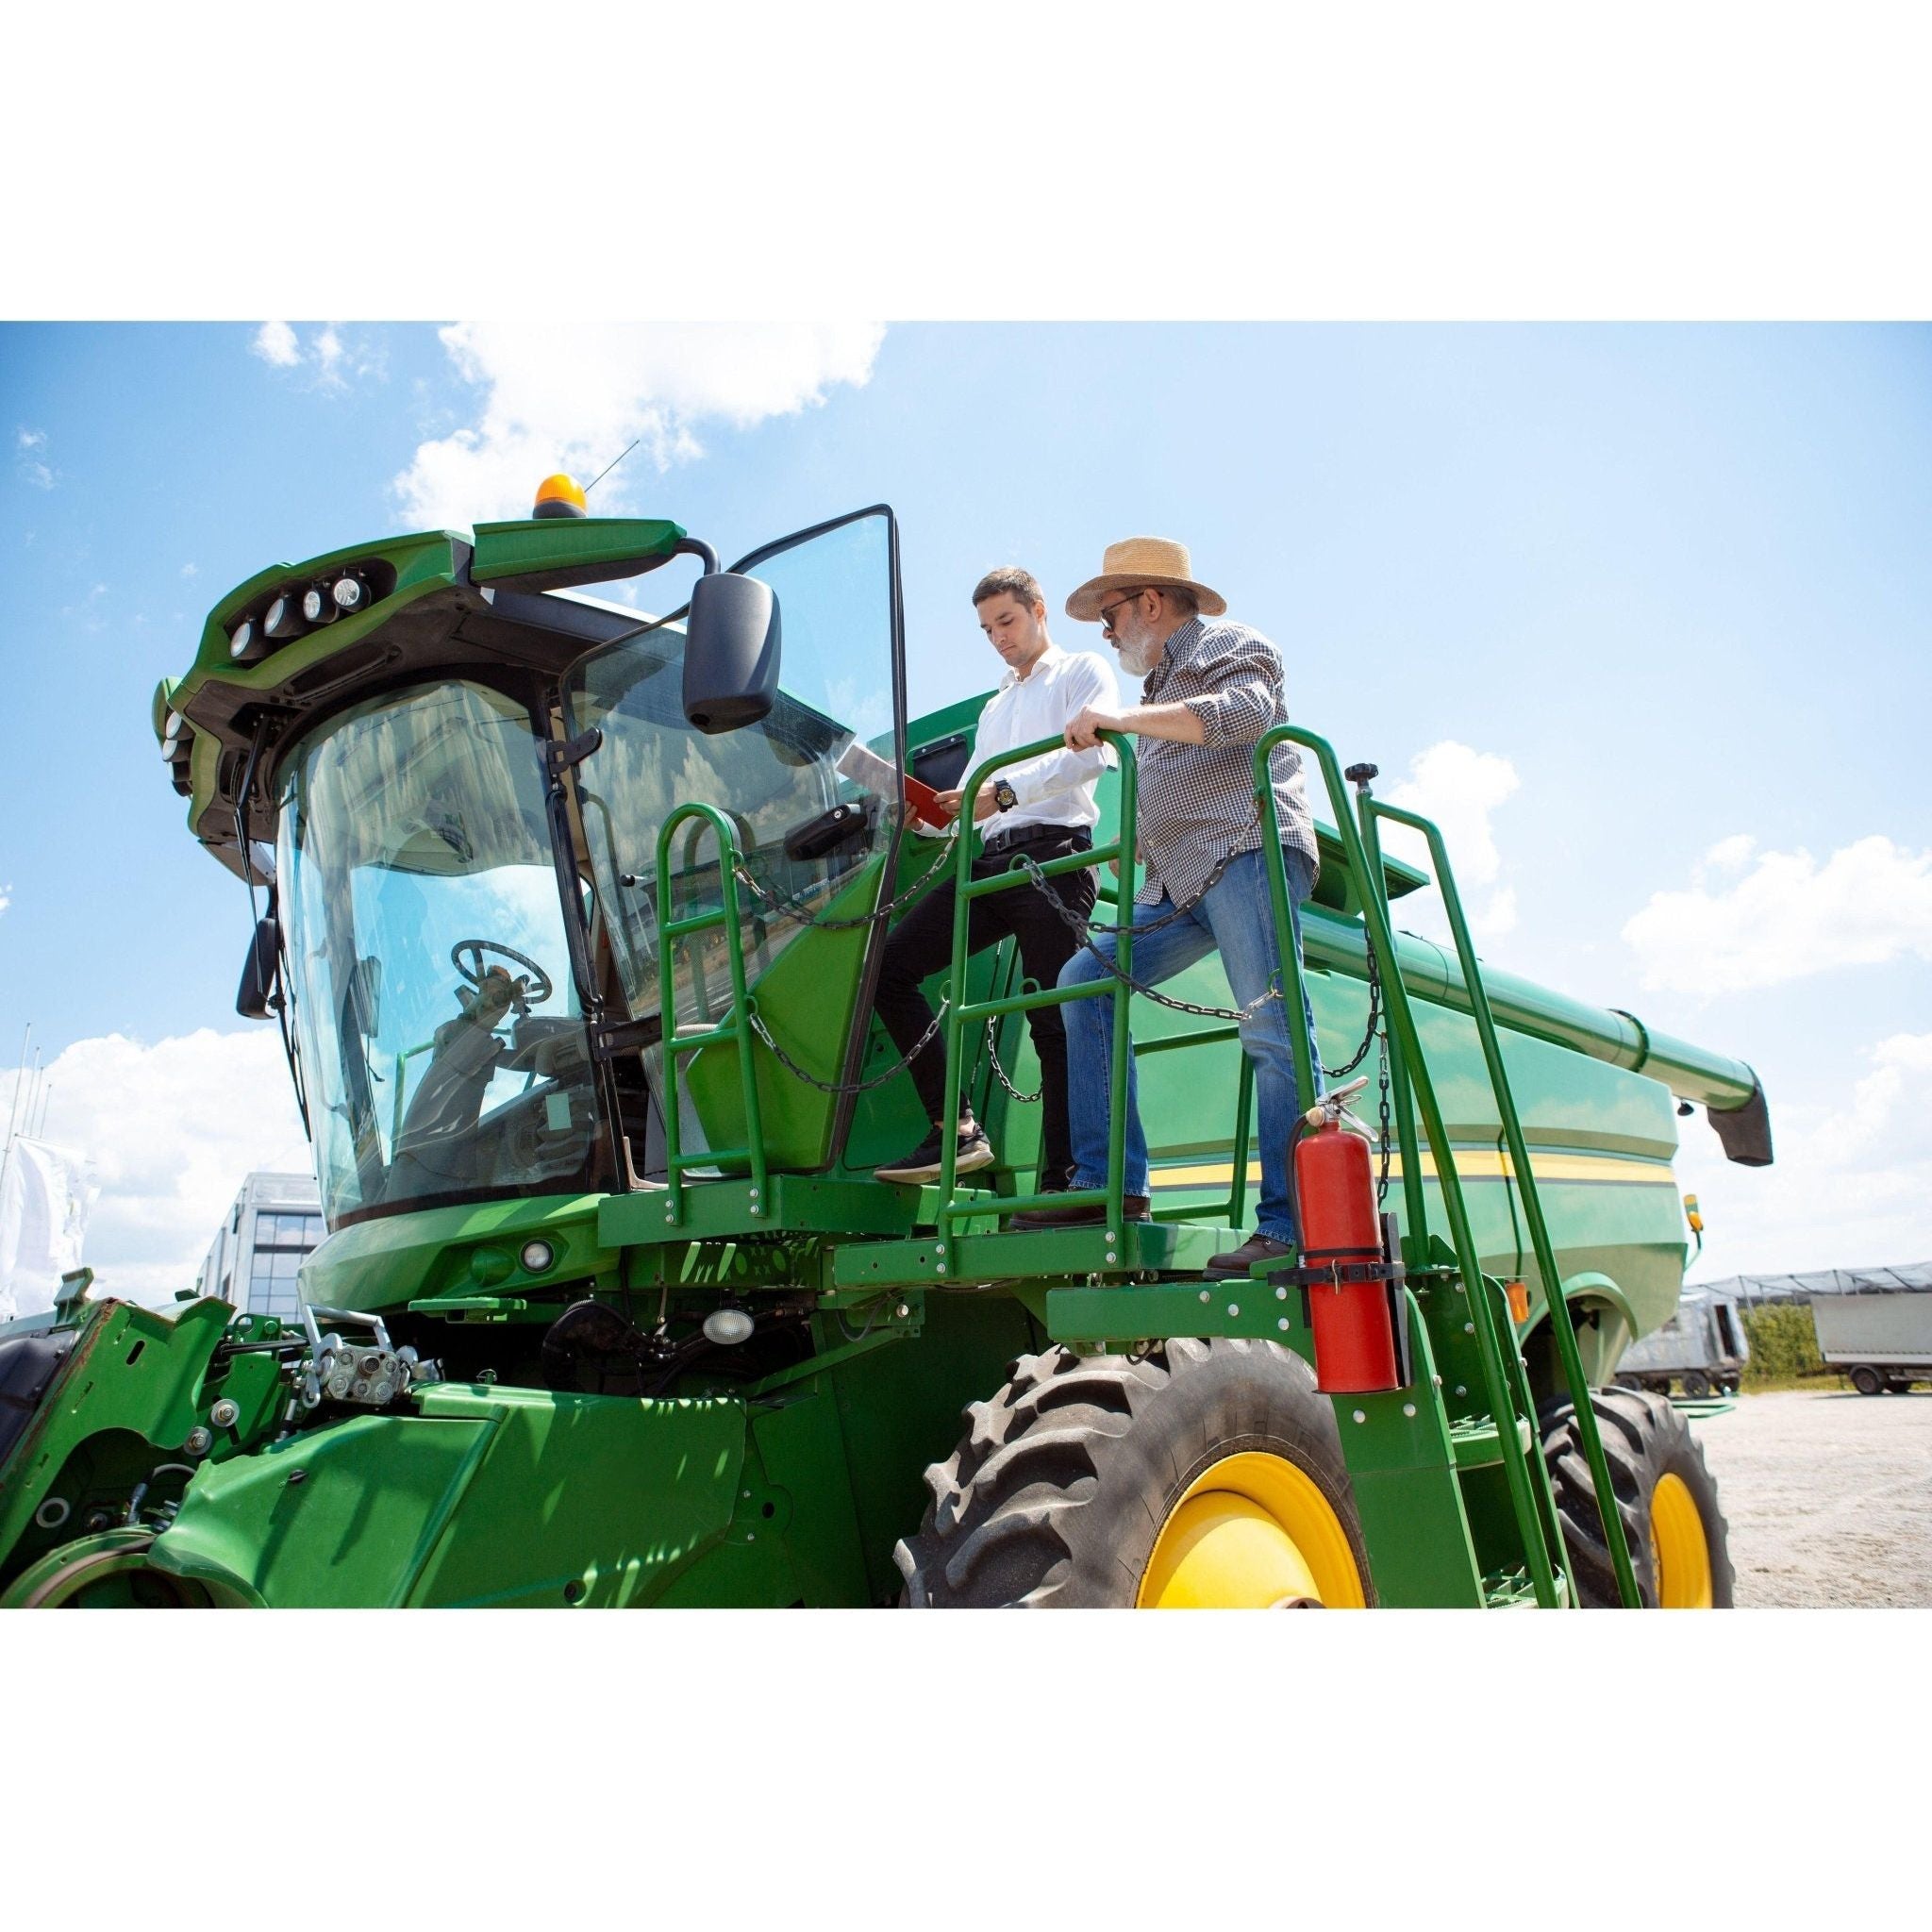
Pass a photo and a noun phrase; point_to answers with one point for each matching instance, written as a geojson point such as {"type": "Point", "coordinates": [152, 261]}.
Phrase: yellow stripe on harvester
{"type": "Point", "coordinates": [1472, 1165]}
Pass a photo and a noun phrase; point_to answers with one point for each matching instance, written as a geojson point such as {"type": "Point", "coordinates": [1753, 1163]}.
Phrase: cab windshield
{"type": "Point", "coordinates": [440, 1033]}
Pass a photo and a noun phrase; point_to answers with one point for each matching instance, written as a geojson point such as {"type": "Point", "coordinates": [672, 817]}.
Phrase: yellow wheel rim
{"type": "Point", "coordinates": [1250, 1532]}
{"type": "Point", "coordinates": [1678, 1544]}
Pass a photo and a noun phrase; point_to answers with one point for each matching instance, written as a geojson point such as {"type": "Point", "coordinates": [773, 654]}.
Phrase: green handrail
{"type": "Point", "coordinates": [960, 1013]}
{"type": "Point", "coordinates": [736, 1026]}
{"type": "Point", "coordinates": [1534, 1531]}
{"type": "Point", "coordinates": [1555, 1299]}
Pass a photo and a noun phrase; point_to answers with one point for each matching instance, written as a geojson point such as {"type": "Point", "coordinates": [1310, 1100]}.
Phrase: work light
{"type": "Point", "coordinates": [350, 594]}
{"type": "Point", "coordinates": [318, 607]}
{"type": "Point", "coordinates": [242, 640]}
{"type": "Point", "coordinates": [283, 619]}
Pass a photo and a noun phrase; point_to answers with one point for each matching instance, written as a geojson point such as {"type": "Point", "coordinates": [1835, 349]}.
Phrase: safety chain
{"type": "Point", "coordinates": [1082, 927]}
{"type": "Point", "coordinates": [791, 1066]}
{"type": "Point", "coordinates": [942, 857]}
{"type": "Point", "coordinates": [1382, 1096]}
{"type": "Point", "coordinates": [999, 1073]}
{"type": "Point", "coordinates": [1362, 1053]}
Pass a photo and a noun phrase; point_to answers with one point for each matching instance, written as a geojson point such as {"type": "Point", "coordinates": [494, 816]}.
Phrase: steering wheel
{"type": "Point", "coordinates": [540, 988]}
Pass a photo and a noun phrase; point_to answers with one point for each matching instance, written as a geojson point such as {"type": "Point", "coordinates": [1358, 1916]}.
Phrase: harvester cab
{"type": "Point", "coordinates": [571, 919]}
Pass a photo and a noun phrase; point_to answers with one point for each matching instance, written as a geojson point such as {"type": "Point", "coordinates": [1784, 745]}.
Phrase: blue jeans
{"type": "Point", "coordinates": [1234, 916]}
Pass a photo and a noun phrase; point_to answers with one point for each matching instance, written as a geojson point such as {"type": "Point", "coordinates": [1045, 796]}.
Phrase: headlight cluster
{"type": "Point", "coordinates": [295, 613]}
{"type": "Point", "coordinates": [178, 738]}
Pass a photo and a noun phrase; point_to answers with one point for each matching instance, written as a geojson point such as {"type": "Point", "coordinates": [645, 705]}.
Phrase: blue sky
{"type": "Point", "coordinates": [1651, 605]}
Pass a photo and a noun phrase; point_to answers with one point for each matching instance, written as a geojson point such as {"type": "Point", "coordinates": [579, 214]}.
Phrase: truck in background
{"type": "Point", "coordinates": [1880, 1340]}
{"type": "Point", "coordinates": [1703, 1345]}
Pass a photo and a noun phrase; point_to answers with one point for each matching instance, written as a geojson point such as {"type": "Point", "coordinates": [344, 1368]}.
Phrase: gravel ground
{"type": "Point", "coordinates": [1828, 1497]}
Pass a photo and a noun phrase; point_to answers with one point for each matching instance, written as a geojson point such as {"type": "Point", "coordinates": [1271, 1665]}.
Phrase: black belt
{"type": "Point", "coordinates": [1030, 835]}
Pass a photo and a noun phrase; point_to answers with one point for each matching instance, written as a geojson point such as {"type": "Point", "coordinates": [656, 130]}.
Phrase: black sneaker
{"type": "Point", "coordinates": [923, 1163]}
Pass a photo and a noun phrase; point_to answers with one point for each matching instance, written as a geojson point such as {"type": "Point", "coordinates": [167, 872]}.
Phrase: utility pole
{"type": "Point", "coordinates": [19, 1080]}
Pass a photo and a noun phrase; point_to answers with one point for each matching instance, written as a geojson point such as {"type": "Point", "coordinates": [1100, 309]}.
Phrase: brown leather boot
{"type": "Point", "coordinates": [1237, 1261]}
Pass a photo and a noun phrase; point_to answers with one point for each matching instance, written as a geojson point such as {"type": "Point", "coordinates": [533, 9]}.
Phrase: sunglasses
{"type": "Point", "coordinates": [1107, 611]}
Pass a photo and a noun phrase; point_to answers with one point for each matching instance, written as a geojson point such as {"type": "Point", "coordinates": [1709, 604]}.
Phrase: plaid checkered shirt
{"type": "Point", "coordinates": [1197, 801]}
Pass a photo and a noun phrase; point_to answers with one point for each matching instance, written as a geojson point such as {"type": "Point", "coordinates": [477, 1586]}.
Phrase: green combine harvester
{"type": "Point", "coordinates": [570, 922]}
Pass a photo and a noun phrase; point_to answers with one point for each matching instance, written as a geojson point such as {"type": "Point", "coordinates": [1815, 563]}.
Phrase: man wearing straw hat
{"type": "Point", "coordinates": [1213, 688]}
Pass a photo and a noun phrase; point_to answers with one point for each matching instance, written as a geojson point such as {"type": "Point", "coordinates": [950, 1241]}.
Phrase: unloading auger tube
{"type": "Point", "coordinates": [1728, 1088]}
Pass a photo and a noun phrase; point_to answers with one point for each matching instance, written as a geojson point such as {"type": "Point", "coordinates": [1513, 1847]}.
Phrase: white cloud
{"type": "Point", "coordinates": [6, 897]}
{"type": "Point", "coordinates": [569, 397]}
{"type": "Point", "coordinates": [27, 464]}
{"type": "Point", "coordinates": [1786, 917]}
{"type": "Point", "coordinates": [1850, 1186]}
{"type": "Point", "coordinates": [1458, 787]}
{"type": "Point", "coordinates": [328, 357]}
{"type": "Point", "coordinates": [274, 342]}
{"type": "Point", "coordinates": [172, 1129]}
{"type": "Point", "coordinates": [190, 570]}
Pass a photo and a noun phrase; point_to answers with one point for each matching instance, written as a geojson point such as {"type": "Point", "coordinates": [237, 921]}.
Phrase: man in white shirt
{"type": "Point", "coordinates": [1044, 808]}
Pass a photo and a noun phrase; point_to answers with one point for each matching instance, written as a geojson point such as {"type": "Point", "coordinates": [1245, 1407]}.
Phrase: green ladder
{"type": "Point", "coordinates": [1510, 1427]}
{"type": "Point", "coordinates": [737, 1025]}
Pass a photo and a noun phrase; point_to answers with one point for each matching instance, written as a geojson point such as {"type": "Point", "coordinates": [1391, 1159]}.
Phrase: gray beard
{"type": "Point", "coordinates": [1141, 658]}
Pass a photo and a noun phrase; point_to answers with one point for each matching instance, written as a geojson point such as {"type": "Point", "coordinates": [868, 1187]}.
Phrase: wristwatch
{"type": "Point", "coordinates": [1003, 797]}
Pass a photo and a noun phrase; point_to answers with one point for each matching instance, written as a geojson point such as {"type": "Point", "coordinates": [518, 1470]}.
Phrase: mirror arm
{"type": "Point", "coordinates": [696, 546]}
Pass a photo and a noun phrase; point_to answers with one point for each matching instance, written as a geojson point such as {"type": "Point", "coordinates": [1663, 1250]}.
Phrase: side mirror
{"type": "Point", "coordinates": [260, 965]}
{"type": "Point", "coordinates": [730, 652]}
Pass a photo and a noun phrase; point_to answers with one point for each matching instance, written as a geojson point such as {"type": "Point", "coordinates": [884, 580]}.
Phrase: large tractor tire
{"type": "Point", "coordinates": [1201, 1475]}
{"type": "Point", "coordinates": [1676, 1535]}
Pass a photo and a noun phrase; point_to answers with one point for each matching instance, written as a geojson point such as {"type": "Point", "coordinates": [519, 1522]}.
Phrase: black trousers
{"type": "Point", "coordinates": [922, 945]}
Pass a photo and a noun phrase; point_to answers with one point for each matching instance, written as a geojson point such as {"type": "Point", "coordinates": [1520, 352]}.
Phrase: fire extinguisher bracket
{"type": "Point", "coordinates": [1341, 1274]}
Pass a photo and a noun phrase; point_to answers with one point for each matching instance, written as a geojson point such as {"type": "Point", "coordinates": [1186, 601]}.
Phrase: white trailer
{"type": "Point", "coordinates": [1880, 1340]}
{"type": "Point", "coordinates": [1703, 1345]}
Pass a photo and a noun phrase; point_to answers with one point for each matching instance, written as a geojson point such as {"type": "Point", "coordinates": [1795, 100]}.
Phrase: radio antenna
{"type": "Point", "coordinates": [612, 464]}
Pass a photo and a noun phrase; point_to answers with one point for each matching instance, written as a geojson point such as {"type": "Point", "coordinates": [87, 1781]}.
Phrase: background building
{"type": "Point", "coordinates": [276, 1219]}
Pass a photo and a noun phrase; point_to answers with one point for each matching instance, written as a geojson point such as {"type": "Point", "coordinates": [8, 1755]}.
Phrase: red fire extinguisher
{"type": "Point", "coordinates": [1345, 1268]}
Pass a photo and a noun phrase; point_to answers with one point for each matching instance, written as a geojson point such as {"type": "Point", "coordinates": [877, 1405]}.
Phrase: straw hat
{"type": "Point", "coordinates": [1150, 561]}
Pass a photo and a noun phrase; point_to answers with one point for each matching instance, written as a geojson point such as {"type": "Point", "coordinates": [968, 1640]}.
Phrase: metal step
{"type": "Point", "coordinates": [1511, 1589]}
{"type": "Point", "coordinates": [1477, 1445]}
{"type": "Point", "coordinates": [1062, 1253]}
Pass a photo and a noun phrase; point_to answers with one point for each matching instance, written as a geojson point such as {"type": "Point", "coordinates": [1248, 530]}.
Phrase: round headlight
{"type": "Point", "coordinates": [537, 1256]}
{"type": "Point", "coordinates": [317, 605]}
{"type": "Point", "coordinates": [351, 593]}
{"type": "Point", "coordinates": [242, 639]}
{"type": "Point", "coordinates": [283, 618]}
{"type": "Point", "coordinates": [727, 1327]}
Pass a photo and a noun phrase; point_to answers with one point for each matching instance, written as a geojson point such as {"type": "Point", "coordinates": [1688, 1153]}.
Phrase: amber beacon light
{"type": "Point", "coordinates": [558, 496]}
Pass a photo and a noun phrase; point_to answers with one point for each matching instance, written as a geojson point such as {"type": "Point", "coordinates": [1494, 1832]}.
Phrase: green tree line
{"type": "Point", "coordinates": [1784, 1344]}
